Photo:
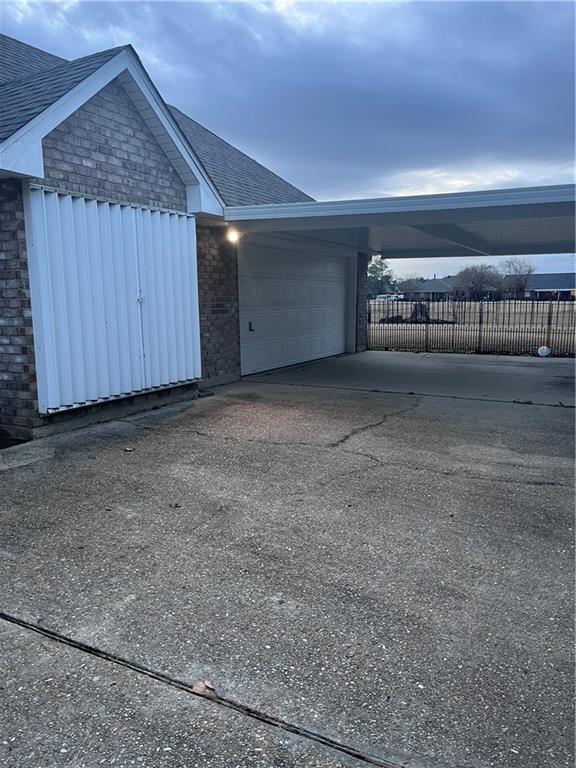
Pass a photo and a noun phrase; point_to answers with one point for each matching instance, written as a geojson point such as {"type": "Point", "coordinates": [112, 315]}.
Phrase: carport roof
{"type": "Point", "coordinates": [499, 222]}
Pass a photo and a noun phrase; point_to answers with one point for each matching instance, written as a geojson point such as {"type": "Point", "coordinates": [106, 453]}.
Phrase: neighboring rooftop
{"type": "Point", "coordinates": [31, 80]}
{"type": "Point", "coordinates": [559, 281]}
{"type": "Point", "coordinates": [434, 285]}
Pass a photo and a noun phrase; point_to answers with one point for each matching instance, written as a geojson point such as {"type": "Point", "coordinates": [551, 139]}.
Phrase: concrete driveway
{"type": "Point", "coordinates": [372, 552]}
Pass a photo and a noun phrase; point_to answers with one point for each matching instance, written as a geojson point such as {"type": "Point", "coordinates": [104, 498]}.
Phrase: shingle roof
{"type": "Point", "coordinates": [239, 179]}
{"type": "Point", "coordinates": [22, 100]}
{"type": "Point", "coordinates": [20, 60]}
{"type": "Point", "coordinates": [433, 285]}
{"type": "Point", "coordinates": [560, 281]}
{"type": "Point", "coordinates": [31, 80]}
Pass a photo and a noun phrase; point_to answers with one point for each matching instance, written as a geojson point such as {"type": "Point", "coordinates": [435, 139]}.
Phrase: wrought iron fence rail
{"type": "Point", "coordinates": [507, 327]}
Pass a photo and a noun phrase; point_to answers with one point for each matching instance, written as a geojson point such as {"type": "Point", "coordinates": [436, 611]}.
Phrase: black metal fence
{"type": "Point", "coordinates": [507, 327]}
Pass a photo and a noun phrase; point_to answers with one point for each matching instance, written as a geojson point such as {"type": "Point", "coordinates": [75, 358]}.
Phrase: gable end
{"type": "Point", "coordinates": [105, 149]}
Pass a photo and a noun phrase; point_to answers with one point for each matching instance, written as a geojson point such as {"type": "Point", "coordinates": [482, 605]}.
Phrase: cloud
{"type": "Point", "coordinates": [352, 99]}
{"type": "Point", "coordinates": [474, 175]}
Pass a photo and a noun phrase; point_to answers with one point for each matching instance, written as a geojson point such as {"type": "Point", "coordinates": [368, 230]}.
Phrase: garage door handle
{"type": "Point", "coordinates": [250, 328]}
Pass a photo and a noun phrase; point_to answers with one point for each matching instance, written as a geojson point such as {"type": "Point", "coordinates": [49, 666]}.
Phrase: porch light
{"type": "Point", "coordinates": [233, 235]}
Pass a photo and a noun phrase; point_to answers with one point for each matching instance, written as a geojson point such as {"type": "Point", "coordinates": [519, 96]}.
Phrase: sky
{"type": "Point", "coordinates": [354, 100]}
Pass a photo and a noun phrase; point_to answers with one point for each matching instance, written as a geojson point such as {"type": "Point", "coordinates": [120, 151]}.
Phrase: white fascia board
{"type": "Point", "coordinates": [201, 199]}
{"type": "Point", "coordinates": [22, 153]}
{"type": "Point", "coordinates": [564, 193]}
{"type": "Point", "coordinates": [23, 158]}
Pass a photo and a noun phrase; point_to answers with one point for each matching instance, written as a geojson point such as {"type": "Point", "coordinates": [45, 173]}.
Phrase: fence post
{"type": "Point", "coordinates": [549, 326]}
{"type": "Point", "coordinates": [480, 321]}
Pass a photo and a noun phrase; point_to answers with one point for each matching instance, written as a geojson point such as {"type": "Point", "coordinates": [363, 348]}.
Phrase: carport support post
{"type": "Point", "coordinates": [361, 341]}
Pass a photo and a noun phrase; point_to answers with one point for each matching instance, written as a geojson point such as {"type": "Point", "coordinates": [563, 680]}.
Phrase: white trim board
{"type": "Point", "coordinates": [500, 198]}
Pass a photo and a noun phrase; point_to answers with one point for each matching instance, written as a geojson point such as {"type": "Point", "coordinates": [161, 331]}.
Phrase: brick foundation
{"type": "Point", "coordinates": [109, 410]}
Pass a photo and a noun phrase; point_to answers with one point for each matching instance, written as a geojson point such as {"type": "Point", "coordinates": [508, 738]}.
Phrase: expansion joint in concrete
{"type": "Point", "coordinates": [210, 694]}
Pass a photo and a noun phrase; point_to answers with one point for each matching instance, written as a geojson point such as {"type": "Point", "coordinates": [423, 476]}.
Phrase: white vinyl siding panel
{"type": "Point", "coordinates": [292, 307]}
{"type": "Point", "coordinates": [114, 298]}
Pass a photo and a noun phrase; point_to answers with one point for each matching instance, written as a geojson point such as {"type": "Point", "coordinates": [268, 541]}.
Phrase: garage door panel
{"type": "Point", "coordinates": [276, 322]}
{"type": "Point", "coordinates": [276, 296]}
{"type": "Point", "coordinates": [291, 321]}
{"type": "Point", "coordinates": [296, 303]}
{"type": "Point", "coordinates": [257, 320]}
{"type": "Point", "coordinates": [293, 295]}
{"type": "Point", "coordinates": [254, 290]}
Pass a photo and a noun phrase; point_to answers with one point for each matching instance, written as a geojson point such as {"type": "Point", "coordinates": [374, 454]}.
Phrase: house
{"type": "Point", "coordinates": [102, 218]}
{"type": "Point", "coordinates": [435, 288]}
{"type": "Point", "coordinates": [560, 285]}
{"type": "Point", "coordinates": [142, 255]}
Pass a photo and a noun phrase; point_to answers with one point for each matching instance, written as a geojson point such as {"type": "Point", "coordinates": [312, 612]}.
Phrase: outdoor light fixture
{"type": "Point", "coordinates": [233, 235]}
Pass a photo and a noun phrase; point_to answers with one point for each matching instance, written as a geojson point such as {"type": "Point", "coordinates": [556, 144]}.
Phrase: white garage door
{"type": "Point", "coordinates": [114, 298]}
{"type": "Point", "coordinates": [292, 307]}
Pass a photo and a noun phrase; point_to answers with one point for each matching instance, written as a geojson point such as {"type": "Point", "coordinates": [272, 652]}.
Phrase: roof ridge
{"type": "Point", "coordinates": [60, 65]}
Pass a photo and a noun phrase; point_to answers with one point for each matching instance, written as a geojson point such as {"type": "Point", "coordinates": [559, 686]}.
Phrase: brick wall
{"type": "Point", "coordinates": [17, 373]}
{"type": "Point", "coordinates": [219, 317]}
{"type": "Point", "coordinates": [105, 149]}
{"type": "Point", "coordinates": [361, 294]}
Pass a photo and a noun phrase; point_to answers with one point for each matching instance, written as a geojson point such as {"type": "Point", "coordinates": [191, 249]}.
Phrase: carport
{"type": "Point", "coordinates": [298, 262]}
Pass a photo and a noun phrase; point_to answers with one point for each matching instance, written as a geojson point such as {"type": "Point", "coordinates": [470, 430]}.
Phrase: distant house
{"type": "Point", "coordinates": [561, 285]}
{"type": "Point", "coordinates": [433, 289]}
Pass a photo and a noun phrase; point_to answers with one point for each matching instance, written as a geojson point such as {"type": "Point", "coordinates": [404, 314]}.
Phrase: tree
{"type": "Point", "coordinates": [517, 270]}
{"type": "Point", "coordinates": [477, 281]}
{"type": "Point", "coordinates": [380, 277]}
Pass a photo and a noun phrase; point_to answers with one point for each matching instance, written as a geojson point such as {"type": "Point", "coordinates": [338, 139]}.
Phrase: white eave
{"type": "Point", "coordinates": [492, 222]}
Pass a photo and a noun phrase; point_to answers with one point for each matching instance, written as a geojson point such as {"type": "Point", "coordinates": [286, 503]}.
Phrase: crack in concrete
{"type": "Point", "coordinates": [359, 430]}
{"type": "Point", "coordinates": [257, 440]}
{"type": "Point", "coordinates": [371, 457]}
{"type": "Point", "coordinates": [435, 471]}
{"type": "Point", "coordinates": [288, 443]}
